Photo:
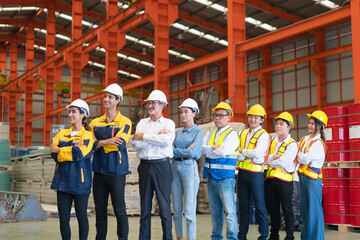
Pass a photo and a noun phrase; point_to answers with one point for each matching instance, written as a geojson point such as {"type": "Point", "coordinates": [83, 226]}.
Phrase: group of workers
{"type": "Point", "coordinates": [168, 166]}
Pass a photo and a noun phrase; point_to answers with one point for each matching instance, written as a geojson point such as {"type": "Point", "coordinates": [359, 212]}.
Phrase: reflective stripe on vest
{"type": "Point", "coordinates": [223, 167]}
{"type": "Point", "coordinates": [305, 169]}
{"type": "Point", "coordinates": [280, 173]}
{"type": "Point", "coordinates": [248, 164]}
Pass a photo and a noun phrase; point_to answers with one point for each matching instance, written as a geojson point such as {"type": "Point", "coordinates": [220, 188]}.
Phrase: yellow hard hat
{"type": "Point", "coordinates": [257, 110]}
{"type": "Point", "coordinates": [224, 105]}
{"type": "Point", "coordinates": [319, 115]}
{"type": "Point", "coordinates": [287, 117]}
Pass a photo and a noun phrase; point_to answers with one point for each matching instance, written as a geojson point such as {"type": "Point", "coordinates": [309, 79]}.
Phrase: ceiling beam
{"type": "Point", "coordinates": [172, 42]}
{"type": "Point", "coordinates": [202, 23]}
{"type": "Point", "coordinates": [296, 29]}
{"type": "Point", "coordinates": [273, 10]}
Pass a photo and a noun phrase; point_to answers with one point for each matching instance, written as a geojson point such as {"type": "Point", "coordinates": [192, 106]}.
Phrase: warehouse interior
{"type": "Point", "coordinates": [287, 55]}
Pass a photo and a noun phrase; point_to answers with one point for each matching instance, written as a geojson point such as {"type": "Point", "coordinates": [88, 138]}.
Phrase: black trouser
{"type": "Point", "coordinates": [115, 186]}
{"type": "Point", "coordinates": [64, 203]}
{"type": "Point", "coordinates": [280, 192]}
{"type": "Point", "coordinates": [155, 176]}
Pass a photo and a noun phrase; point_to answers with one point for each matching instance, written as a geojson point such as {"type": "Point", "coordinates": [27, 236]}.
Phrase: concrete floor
{"type": "Point", "coordinates": [49, 229]}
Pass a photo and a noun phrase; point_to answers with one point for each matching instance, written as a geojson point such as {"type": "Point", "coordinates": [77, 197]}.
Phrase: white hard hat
{"type": "Point", "coordinates": [114, 89]}
{"type": "Point", "coordinates": [157, 95]}
{"type": "Point", "coordinates": [190, 103]}
{"type": "Point", "coordinates": [80, 104]}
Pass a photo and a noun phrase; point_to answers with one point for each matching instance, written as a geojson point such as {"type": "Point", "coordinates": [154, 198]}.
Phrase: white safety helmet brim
{"type": "Point", "coordinates": [114, 89]}
{"type": "Point", "coordinates": [81, 104]}
{"type": "Point", "coordinates": [190, 103]}
{"type": "Point", "coordinates": [157, 95]}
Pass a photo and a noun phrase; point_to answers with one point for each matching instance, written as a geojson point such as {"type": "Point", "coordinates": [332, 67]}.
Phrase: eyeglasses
{"type": "Point", "coordinates": [220, 116]}
{"type": "Point", "coordinates": [152, 103]}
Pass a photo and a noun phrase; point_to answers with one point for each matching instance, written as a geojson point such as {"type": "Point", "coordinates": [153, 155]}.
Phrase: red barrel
{"type": "Point", "coordinates": [336, 196]}
{"type": "Point", "coordinates": [337, 134]}
{"type": "Point", "coordinates": [354, 132]}
{"type": "Point", "coordinates": [354, 186]}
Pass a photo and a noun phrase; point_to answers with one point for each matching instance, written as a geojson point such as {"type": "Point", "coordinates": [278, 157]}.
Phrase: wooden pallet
{"type": "Point", "coordinates": [345, 164]}
{"type": "Point", "coordinates": [342, 227]}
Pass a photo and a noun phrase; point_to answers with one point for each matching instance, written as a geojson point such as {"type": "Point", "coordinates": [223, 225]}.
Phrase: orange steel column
{"type": "Point", "coordinates": [319, 68]}
{"type": "Point", "coordinates": [29, 87]}
{"type": "Point", "coordinates": [355, 32]}
{"type": "Point", "coordinates": [109, 40]}
{"type": "Point", "coordinates": [161, 14]}
{"type": "Point", "coordinates": [237, 60]}
{"type": "Point", "coordinates": [12, 97]}
{"type": "Point", "coordinates": [265, 81]}
{"type": "Point", "coordinates": [76, 59]}
{"type": "Point", "coordinates": [49, 76]}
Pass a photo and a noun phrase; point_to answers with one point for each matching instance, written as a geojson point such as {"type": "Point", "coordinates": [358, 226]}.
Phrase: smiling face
{"type": "Point", "coordinates": [75, 116]}
{"type": "Point", "coordinates": [221, 118]}
{"type": "Point", "coordinates": [110, 101]}
{"type": "Point", "coordinates": [155, 107]}
{"type": "Point", "coordinates": [282, 128]}
{"type": "Point", "coordinates": [254, 121]}
{"type": "Point", "coordinates": [311, 126]}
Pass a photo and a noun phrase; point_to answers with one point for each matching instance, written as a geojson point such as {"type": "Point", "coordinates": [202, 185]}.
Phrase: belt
{"type": "Point", "coordinates": [154, 161]}
{"type": "Point", "coordinates": [183, 159]}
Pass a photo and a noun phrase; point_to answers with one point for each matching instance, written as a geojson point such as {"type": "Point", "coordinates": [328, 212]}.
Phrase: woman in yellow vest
{"type": "Point", "coordinates": [71, 150]}
{"type": "Point", "coordinates": [279, 177]}
{"type": "Point", "coordinates": [311, 156]}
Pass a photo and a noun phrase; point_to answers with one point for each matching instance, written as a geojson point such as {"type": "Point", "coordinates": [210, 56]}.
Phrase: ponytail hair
{"type": "Point", "coordinates": [85, 124]}
{"type": "Point", "coordinates": [84, 120]}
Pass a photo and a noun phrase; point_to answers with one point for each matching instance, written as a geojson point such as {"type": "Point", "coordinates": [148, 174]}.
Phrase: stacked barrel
{"type": "Point", "coordinates": [354, 173]}
{"type": "Point", "coordinates": [335, 182]}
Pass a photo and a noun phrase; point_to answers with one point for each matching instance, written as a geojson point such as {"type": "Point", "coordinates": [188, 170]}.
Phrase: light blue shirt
{"type": "Point", "coordinates": [184, 138]}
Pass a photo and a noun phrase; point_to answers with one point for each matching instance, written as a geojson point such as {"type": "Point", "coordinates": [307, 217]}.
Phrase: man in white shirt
{"type": "Point", "coordinates": [153, 141]}
{"type": "Point", "coordinates": [220, 145]}
{"type": "Point", "coordinates": [254, 146]}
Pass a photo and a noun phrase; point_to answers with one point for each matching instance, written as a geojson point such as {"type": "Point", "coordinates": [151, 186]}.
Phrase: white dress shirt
{"type": "Point", "coordinates": [230, 144]}
{"type": "Point", "coordinates": [257, 154]}
{"type": "Point", "coordinates": [154, 145]}
{"type": "Point", "coordinates": [286, 160]}
{"type": "Point", "coordinates": [315, 156]}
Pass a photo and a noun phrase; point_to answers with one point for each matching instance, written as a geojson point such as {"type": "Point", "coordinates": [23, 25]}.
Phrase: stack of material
{"type": "Point", "coordinates": [33, 174]}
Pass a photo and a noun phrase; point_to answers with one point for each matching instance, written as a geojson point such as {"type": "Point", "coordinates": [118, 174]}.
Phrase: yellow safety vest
{"type": "Point", "coordinates": [248, 164]}
{"type": "Point", "coordinates": [280, 173]}
{"type": "Point", "coordinates": [223, 167]}
{"type": "Point", "coordinates": [305, 168]}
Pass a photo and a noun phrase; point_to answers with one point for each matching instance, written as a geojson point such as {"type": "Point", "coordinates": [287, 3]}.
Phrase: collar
{"type": "Point", "coordinates": [116, 119]}
{"type": "Point", "coordinates": [255, 130]}
{"type": "Point", "coordinates": [160, 120]}
{"type": "Point", "coordinates": [68, 132]}
{"type": "Point", "coordinates": [190, 129]}
{"type": "Point", "coordinates": [221, 130]}
{"type": "Point", "coordinates": [286, 139]}
{"type": "Point", "coordinates": [314, 138]}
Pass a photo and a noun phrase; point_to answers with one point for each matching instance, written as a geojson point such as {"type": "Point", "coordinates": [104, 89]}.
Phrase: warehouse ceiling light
{"type": "Point", "coordinates": [327, 3]}
{"type": "Point", "coordinates": [11, 9]}
{"type": "Point", "coordinates": [224, 10]}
